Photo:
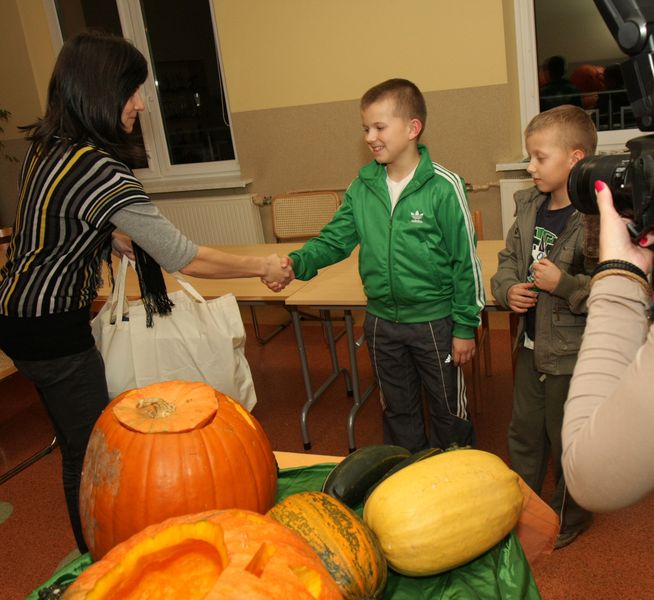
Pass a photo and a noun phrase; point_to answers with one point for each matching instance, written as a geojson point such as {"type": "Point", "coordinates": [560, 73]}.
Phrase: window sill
{"type": "Point", "coordinates": [512, 166]}
{"type": "Point", "coordinates": [193, 183]}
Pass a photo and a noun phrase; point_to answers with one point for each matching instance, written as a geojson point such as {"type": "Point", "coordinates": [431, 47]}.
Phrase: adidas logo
{"type": "Point", "coordinates": [416, 217]}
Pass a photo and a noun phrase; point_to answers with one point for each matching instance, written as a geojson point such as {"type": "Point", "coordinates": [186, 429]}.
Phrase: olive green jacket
{"type": "Point", "coordinates": [561, 314]}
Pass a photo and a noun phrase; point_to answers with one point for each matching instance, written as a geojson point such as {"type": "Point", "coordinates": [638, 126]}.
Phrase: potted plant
{"type": "Point", "coordinates": [4, 116]}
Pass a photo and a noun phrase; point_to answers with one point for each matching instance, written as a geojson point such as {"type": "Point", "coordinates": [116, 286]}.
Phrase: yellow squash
{"type": "Point", "coordinates": [444, 511]}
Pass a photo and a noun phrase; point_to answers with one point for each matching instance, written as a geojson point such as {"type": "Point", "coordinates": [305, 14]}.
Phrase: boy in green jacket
{"type": "Point", "coordinates": [419, 268]}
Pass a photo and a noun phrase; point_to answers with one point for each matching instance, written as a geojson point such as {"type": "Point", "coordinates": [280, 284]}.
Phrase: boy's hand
{"type": "Point", "coordinates": [462, 350]}
{"type": "Point", "coordinates": [546, 275]}
{"type": "Point", "coordinates": [279, 272]}
{"type": "Point", "coordinates": [521, 297]}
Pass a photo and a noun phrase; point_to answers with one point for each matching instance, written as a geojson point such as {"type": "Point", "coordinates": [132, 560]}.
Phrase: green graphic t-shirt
{"type": "Point", "coordinates": [548, 228]}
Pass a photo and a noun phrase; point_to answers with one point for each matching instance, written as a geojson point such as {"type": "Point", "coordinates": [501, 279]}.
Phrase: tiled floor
{"type": "Point", "coordinates": [611, 561]}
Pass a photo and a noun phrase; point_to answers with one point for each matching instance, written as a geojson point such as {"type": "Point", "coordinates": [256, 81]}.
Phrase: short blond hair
{"type": "Point", "coordinates": [409, 101]}
{"type": "Point", "coordinates": [575, 128]}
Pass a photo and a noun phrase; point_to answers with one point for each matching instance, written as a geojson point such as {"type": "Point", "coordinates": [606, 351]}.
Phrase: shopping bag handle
{"type": "Point", "coordinates": [188, 288]}
{"type": "Point", "coordinates": [119, 291]}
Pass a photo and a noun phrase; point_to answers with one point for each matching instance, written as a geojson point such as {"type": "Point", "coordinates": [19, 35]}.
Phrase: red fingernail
{"type": "Point", "coordinates": [643, 241]}
{"type": "Point", "coordinates": [599, 186]}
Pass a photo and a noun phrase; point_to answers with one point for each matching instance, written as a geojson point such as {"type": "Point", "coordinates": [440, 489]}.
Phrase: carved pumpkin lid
{"type": "Point", "coordinates": [169, 407]}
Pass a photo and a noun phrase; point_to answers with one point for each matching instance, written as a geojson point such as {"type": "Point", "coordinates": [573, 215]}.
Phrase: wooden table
{"type": "Point", "coordinates": [335, 287]}
{"type": "Point", "coordinates": [248, 290]}
{"type": "Point", "coordinates": [286, 460]}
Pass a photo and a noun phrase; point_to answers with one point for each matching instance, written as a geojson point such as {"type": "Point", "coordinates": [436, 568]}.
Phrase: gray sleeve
{"type": "Point", "coordinates": [144, 224]}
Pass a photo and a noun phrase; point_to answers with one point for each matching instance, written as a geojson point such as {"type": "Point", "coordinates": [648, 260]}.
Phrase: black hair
{"type": "Point", "coordinates": [556, 67]}
{"type": "Point", "coordinates": [94, 76]}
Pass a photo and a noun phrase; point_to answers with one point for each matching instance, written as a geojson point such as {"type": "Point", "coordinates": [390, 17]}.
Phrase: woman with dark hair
{"type": "Point", "coordinates": [75, 189]}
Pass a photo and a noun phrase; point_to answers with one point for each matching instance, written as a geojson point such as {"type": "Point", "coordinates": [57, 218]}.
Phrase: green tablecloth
{"type": "Point", "coordinates": [501, 573]}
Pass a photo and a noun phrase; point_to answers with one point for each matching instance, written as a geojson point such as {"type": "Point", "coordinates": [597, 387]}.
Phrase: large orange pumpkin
{"type": "Point", "coordinates": [171, 449]}
{"type": "Point", "coordinates": [217, 555]}
{"type": "Point", "coordinates": [348, 548]}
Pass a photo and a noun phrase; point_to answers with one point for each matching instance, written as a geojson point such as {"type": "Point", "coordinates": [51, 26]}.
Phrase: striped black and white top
{"type": "Point", "coordinates": [62, 229]}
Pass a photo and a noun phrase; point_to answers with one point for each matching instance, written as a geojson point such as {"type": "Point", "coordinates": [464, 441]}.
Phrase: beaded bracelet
{"type": "Point", "coordinates": [620, 265]}
{"type": "Point", "coordinates": [622, 273]}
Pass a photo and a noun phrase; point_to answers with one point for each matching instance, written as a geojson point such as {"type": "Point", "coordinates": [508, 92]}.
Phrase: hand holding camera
{"type": "Point", "coordinates": [615, 241]}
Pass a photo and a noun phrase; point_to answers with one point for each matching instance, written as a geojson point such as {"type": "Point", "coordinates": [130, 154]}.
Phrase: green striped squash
{"type": "Point", "coordinates": [347, 547]}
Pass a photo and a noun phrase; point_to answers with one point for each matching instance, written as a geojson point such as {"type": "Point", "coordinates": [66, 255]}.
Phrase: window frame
{"type": "Point", "coordinates": [162, 176]}
{"type": "Point", "coordinates": [527, 61]}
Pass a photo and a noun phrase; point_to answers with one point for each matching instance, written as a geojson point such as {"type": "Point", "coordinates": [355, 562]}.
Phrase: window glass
{"type": "Point", "coordinates": [187, 78]}
{"type": "Point", "coordinates": [578, 62]}
{"type": "Point", "coordinates": [77, 15]}
{"type": "Point", "coordinates": [186, 130]}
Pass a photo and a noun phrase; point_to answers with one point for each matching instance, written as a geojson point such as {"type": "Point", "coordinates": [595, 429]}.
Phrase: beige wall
{"type": "Point", "coordinates": [294, 72]}
{"type": "Point", "coordinates": [320, 145]}
{"type": "Point", "coordinates": [299, 52]}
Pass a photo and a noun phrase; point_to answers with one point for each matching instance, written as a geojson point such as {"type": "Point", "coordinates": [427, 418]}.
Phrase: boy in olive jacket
{"type": "Point", "coordinates": [544, 275]}
{"type": "Point", "coordinates": [419, 268]}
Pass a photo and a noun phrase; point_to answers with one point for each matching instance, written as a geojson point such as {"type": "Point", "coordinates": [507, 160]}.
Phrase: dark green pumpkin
{"type": "Point", "coordinates": [353, 476]}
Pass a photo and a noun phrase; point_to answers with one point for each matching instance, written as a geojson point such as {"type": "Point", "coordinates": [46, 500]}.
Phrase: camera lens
{"type": "Point", "coordinates": [614, 170]}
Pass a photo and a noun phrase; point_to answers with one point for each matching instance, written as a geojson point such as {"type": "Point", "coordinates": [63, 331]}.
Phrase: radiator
{"type": "Point", "coordinates": [216, 221]}
{"type": "Point", "coordinates": [508, 187]}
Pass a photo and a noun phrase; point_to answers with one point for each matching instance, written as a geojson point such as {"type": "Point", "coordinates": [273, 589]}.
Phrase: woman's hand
{"type": "Point", "coordinates": [122, 245]}
{"type": "Point", "coordinates": [615, 242]}
{"type": "Point", "coordinates": [278, 272]}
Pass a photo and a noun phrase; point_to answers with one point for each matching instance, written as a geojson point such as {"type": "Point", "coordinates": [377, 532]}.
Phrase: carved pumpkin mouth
{"type": "Point", "coordinates": [227, 555]}
{"type": "Point", "coordinates": [182, 561]}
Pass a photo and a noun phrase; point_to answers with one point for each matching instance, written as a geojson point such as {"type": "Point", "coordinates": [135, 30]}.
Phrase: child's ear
{"type": "Point", "coordinates": [577, 155]}
{"type": "Point", "coordinates": [415, 127]}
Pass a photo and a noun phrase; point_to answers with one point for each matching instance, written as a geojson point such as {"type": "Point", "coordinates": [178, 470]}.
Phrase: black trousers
{"type": "Point", "coordinates": [406, 358]}
{"type": "Point", "coordinates": [73, 390]}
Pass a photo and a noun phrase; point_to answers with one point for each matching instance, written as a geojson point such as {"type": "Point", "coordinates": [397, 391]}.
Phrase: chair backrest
{"type": "Point", "coordinates": [299, 216]}
{"type": "Point", "coordinates": [5, 237]}
{"type": "Point", "coordinates": [478, 224]}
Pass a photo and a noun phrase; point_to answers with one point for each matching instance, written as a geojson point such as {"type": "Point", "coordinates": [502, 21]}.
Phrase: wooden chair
{"type": "Point", "coordinates": [482, 335]}
{"type": "Point", "coordinates": [7, 369]}
{"type": "Point", "coordinates": [297, 217]}
{"type": "Point", "coordinates": [5, 238]}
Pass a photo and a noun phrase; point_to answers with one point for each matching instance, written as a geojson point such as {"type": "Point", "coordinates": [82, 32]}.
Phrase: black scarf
{"type": "Point", "coordinates": [151, 283]}
{"type": "Point", "coordinates": [153, 287]}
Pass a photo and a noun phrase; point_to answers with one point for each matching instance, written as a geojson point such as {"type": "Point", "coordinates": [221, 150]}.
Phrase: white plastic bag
{"type": "Point", "coordinates": [199, 341]}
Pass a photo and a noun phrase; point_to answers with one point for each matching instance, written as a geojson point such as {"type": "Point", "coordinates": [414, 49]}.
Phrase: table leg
{"type": "Point", "coordinates": [264, 339]}
{"type": "Point", "coordinates": [359, 398]}
{"type": "Point", "coordinates": [312, 396]}
{"type": "Point", "coordinates": [29, 461]}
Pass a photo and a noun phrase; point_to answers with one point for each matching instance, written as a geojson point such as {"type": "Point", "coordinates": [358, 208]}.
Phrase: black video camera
{"type": "Point", "coordinates": [630, 176]}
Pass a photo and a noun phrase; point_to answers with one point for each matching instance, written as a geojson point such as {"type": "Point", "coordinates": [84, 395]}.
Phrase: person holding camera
{"type": "Point", "coordinates": [544, 276]}
{"type": "Point", "coordinates": [608, 446]}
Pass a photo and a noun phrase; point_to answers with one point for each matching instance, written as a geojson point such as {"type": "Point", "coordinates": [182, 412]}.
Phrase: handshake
{"type": "Point", "coordinates": [278, 272]}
